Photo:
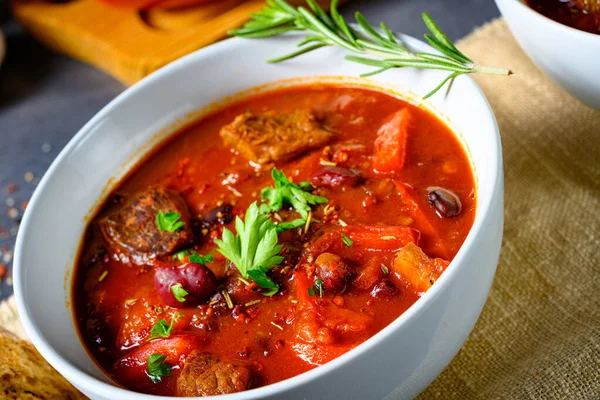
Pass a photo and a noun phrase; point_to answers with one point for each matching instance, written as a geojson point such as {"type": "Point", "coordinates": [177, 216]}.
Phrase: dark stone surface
{"type": "Point", "coordinates": [45, 97]}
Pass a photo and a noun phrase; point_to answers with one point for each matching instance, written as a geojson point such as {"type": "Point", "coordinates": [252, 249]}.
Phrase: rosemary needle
{"type": "Point", "coordinates": [378, 48]}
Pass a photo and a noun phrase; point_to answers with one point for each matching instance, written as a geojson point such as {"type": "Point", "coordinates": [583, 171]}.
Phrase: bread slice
{"type": "Point", "coordinates": [25, 375]}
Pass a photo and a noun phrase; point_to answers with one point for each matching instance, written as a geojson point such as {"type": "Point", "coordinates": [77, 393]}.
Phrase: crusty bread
{"type": "Point", "coordinates": [25, 375]}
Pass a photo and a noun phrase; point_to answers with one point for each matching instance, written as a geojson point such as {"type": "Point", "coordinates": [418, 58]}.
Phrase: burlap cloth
{"type": "Point", "coordinates": [539, 334]}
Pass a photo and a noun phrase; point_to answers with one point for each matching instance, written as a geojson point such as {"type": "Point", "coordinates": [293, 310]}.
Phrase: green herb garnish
{"type": "Point", "coordinates": [193, 256]}
{"type": "Point", "coordinates": [179, 292]}
{"type": "Point", "coordinates": [384, 49]}
{"type": "Point", "coordinates": [385, 269]}
{"type": "Point", "coordinates": [347, 241]}
{"type": "Point", "coordinates": [169, 221]}
{"type": "Point", "coordinates": [197, 258]}
{"type": "Point", "coordinates": [286, 192]}
{"type": "Point", "coordinates": [161, 329]}
{"type": "Point", "coordinates": [254, 250]}
{"type": "Point", "coordinates": [318, 288]}
{"type": "Point", "coordinates": [158, 367]}
{"type": "Point", "coordinates": [181, 255]}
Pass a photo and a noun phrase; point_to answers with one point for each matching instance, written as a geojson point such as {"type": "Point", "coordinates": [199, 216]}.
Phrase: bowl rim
{"type": "Point", "coordinates": [556, 24]}
{"type": "Point", "coordinates": [112, 390]}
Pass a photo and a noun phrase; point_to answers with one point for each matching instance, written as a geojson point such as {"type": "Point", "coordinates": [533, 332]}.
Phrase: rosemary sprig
{"type": "Point", "coordinates": [382, 47]}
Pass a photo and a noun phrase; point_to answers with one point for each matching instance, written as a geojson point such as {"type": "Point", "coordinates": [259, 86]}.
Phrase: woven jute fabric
{"type": "Point", "coordinates": [538, 336]}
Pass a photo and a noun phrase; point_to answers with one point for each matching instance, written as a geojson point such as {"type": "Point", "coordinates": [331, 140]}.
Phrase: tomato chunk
{"type": "Point", "coordinates": [390, 145]}
{"type": "Point", "coordinates": [415, 267]}
{"type": "Point", "coordinates": [132, 368]}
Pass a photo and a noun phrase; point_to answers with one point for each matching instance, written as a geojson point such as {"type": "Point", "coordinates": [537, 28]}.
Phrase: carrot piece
{"type": "Point", "coordinates": [416, 209]}
{"type": "Point", "coordinates": [390, 145]}
{"type": "Point", "coordinates": [417, 268]}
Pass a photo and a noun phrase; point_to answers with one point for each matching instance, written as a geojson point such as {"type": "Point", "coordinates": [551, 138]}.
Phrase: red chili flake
{"type": "Point", "coordinates": [11, 188]}
{"type": "Point", "coordinates": [252, 312]}
{"type": "Point", "coordinates": [279, 344]}
{"type": "Point", "coordinates": [3, 271]}
{"type": "Point", "coordinates": [24, 205]}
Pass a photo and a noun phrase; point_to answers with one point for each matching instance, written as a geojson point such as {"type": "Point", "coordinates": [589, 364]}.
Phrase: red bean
{"type": "Point", "coordinates": [196, 279]}
{"type": "Point", "coordinates": [333, 271]}
{"type": "Point", "coordinates": [384, 288]}
{"type": "Point", "coordinates": [330, 176]}
{"type": "Point", "coordinates": [446, 203]}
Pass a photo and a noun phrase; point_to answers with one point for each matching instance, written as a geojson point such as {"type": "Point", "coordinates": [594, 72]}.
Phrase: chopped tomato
{"type": "Point", "coordinates": [132, 368]}
{"type": "Point", "coordinates": [415, 267]}
{"type": "Point", "coordinates": [317, 355]}
{"type": "Point", "coordinates": [390, 145]}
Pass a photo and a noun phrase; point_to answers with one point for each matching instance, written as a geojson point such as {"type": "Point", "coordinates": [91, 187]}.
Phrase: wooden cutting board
{"type": "Point", "coordinates": [128, 44]}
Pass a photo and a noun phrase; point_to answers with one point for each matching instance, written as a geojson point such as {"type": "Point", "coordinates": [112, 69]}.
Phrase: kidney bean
{"type": "Point", "coordinates": [446, 203]}
{"type": "Point", "coordinates": [329, 176]}
{"type": "Point", "coordinates": [383, 288]}
{"type": "Point", "coordinates": [196, 279]}
{"type": "Point", "coordinates": [222, 215]}
{"type": "Point", "coordinates": [333, 271]}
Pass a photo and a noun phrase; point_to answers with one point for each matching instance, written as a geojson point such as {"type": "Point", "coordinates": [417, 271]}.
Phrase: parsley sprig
{"type": "Point", "coordinates": [169, 221]}
{"type": "Point", "coordinates": [254, 250]}
{"type": "Point", "coordinates": [179, 292]}
{"type": "Point", "coordinates": [158, 367]}
{"type": "Point", "coordinates": [193, 256]}
{"type": "Point", "coordinates": [161, 329]}
{"type": "Point", "coordinates": [287, 192]}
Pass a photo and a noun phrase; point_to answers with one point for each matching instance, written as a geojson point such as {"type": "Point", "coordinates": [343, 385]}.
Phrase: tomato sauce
{"type": "Point", "coordinates": [117, 304]}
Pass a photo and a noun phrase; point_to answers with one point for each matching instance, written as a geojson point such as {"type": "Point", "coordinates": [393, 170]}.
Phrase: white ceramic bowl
{"type": "Point", "coordinates": [407, 355]}
{"type": "Point", "coordinates": [570, 57]}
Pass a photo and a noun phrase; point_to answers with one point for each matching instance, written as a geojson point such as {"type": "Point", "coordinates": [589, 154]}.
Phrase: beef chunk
{"type": "Point", "coordinates": [132, 231]}
{"type": "Point", "coordinates": [206, 375]}
{"type": "Point", "coordinates": [591, 6]}
{"type": "Point", "coordinates": [270, 137]}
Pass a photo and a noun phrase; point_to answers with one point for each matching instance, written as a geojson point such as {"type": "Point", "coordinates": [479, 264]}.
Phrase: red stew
{"type": "Point", "coordinates": [365, 198]}
{"type": "Point", "coordinates": [579, 14]}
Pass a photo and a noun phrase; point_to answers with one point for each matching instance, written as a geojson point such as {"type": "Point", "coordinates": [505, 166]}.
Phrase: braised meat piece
{"type": "Point", "coordinates": [132, 230]}
{"type": "Point", "coordinates": [206, 375]}
{"type": "Point", "coordinates": [270, 137]}
{"type": "Point", "coordinates": [591, 6]}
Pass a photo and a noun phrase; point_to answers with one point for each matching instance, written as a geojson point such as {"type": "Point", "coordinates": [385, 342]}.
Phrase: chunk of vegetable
{"type": "Point", "coordinates": [415, 267]}
{"type": "Point", "coordinates": [132, 368]}
{"type": "Point", "coordinates": [421, 213]}
{"type": "Point", "coordinates": [364, 239]}
{"type": "Point", "coordinates": [390, 145]}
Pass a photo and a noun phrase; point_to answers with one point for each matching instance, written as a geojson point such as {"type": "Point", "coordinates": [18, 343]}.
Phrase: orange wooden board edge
{"type": "Point", "coordinates": [128, 44]}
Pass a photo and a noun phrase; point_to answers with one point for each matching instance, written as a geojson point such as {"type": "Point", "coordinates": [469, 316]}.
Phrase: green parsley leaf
{"type": "Point", "coordinates": [197, 258]}
{"type": "Point", "coordinates": [158, 367]}
{"type": "Point", "coordinates": [286, 226]}
{"type": "Point", "coordinates": [260, 277]}
{"type": "Point", "coordinates": [347, 241]}
{"type": "Point", "coordinates": [168, 221]}
{"type": "Point", "coordinates": [286, 192]}
{"type": "Point", "coordinates": [255, 247]}
{"type": "Point", "coordinates": [317, 288]}
{"type": "Point", "coordinates": [161, 329]}
{"type": "Point", "coordinates": [181, 255]}
{"type": "Point", "coordinates": [179, 292]}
